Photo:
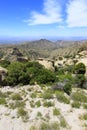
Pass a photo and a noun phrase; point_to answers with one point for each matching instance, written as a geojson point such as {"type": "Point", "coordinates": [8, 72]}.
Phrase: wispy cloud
{"type": "Point", "coordinates": [77, 13]}
{"type": "Point", "coordinates": [51, 14]}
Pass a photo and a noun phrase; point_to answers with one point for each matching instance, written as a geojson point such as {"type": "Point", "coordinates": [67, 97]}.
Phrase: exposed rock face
{"type": "Point", "coordinates": [3, 73]}
{"type": "Point", "coordinates": [46, 63]}
{"type": "Point", "coordinates": [22, 59]}
{"type": "Point", "coordinates": [16, 52]}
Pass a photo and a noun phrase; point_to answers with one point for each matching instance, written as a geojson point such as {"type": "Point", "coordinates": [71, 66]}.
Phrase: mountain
{"type": "Point", "coordinates": [42, 48]}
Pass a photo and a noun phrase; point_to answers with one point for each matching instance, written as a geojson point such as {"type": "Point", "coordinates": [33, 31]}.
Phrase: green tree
{"type": "Point", "coordinates": [67, 88]}
{"type": "Point", "coordinates": [80, 79]}
{"type": "Point", "coordinates": [80, 68]}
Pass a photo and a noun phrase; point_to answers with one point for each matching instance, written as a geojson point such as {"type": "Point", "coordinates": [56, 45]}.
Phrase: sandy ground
{"type": "Point", "coordinates": [10, 121]}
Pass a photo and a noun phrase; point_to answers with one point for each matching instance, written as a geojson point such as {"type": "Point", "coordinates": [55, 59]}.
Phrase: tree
{"type": "Point", "coordinates": [80, 79]}
{"type": "Point", "coordinates": [80, 68]}
{"type": "Point", "coordinates": [67, 88]}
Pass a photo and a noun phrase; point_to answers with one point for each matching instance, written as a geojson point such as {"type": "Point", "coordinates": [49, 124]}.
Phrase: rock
{"type": "Point", "coordinates": [3, 73]}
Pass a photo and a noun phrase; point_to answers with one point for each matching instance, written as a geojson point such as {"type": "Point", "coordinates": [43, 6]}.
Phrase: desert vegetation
{"type": "Point", "coordinates": [50, 98]}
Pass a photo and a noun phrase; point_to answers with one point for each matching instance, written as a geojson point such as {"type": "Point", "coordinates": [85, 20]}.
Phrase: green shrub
{"type": "Point", "coordinates": [80, 68]}
{"type": "Point", "coordinates": [76, 104]}
{"type": "Point", "coordinates": [79, 97]}
{"type": "Point", "coordinates": [44, 126]}
{"type": "Point", "coordinates": [38, 103]}
{"type": "Point", "coordinates": [4, 63]}
{"type": "Point", "coordinates": [33, 95]}
{"type": "Point", "coordinates": [39, 114]}
{"type": "Point", "coordinates": [32, 104]}
{"type": "Point", "coordinates": [28, 73]}
{"type": "Point", "coordinates": [80, 79]}
{"type": "Point", "coordinates": [85, 106]}
{"type": "Point", "coordinates": [47, 95]}
{"type": "Point", "coordinates": [83, 117]}
{"type": "Point", "coordinates": [63, 122]}
{"type": "Point", "coordinates": [56, 112]}
{"type": "Point", "coordinates": [33, 128]}
{"type": "Point", "coordinates": [21, 112]}
{"type": "Point", "coordinates": [16, 104]}
{"type": "Point", "coordinates": [49, 126]}
{"type": "Point", "coordinates": [48, 104]}
{"type": "Point", "coordinates": [2, 101]}
{"type": "Point", "coordinates": [60, 58]}
{"type": "Point", "coordinates": [67, 88]}
{"type": "Point", "coordinates": [16, 96]}
{"type": "Point", "coordinates": [62, 98]}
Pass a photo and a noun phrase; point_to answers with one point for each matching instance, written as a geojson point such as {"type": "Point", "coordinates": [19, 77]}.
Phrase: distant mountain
{"type": "Point", "coordinates": [42, 48]}
{"type": "Point", "coordinates": [39, 44]}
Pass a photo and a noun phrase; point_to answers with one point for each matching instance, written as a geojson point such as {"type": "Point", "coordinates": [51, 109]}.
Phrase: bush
{"type": "Point", "coordinates": [17, 74]}
{"type": "Point", "coordinates": [38, 103]}
{"type": "Point", "coordinates": [62, 98]}
{"type": "Point", "coordinates": [22, 112]}
{"type": "Point", "coordinates": [63, 122]}
{"type": "Point", "coordinates": [56, 112]}
{"type": "Point", "coordinates": [79, 97]}
{"type": "Point", "coordinates": [76, 104]}
{"type": "Point", "coordinates": [47, 95]}
{"type": "Point", "coordinates": [67, 88]}
{"type": "Point", "coordinates": [16, 96]}
{"type": "Point", "coordinates": [48, 104]}
{"type": "Point", "coordinates": [85, 106]}
{"type": "Point", "coordinates": [2, 101]}
{"type": "Point", "coordinates": [4, 63]}
{"type": "Point", "coordinates": [80, 80]}
{"type": "Point", "coordinates": [80, 68]}
{"type": "Point", "coordinates": [28, 73]}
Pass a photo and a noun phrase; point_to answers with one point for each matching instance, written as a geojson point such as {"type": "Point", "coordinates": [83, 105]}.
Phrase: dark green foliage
{"type": "Point", "coordinates": [4, 63]}
{"type": "Point", "coordinates": [76, 104]}
{"type": "Point", "coordinates": [80, 68]}
{"type": "Point", "coordinates": [79, 97]}
{"type": "Point", "coordinates": [60, 58]}
{"type": "Point", "coordinates": [59, 71]}
{"type": "Point", "coordinates": [28, 73]}
{"type": "Point", "coordinates": [67, 88]}
{"type": "Point", "coordinates": [80, 79]}
{"type": "Point", "coordinates": [17, 74]}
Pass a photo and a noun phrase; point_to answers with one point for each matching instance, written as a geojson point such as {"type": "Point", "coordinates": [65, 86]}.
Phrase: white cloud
{"type": "Point", "coordinates": [51, 14]}
{"type": "Point", "coordinates": [77, 13]}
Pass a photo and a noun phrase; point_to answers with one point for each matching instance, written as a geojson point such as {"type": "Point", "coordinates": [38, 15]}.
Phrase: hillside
{"type": "Point", "coordinates": [42, 49]}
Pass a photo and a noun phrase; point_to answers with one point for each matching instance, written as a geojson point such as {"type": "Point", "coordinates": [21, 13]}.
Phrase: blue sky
{"type": "Point", "coordinates": [43, 18]}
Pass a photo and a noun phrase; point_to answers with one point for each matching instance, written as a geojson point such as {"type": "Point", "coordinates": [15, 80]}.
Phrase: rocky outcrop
{"type": "Point", "coordinates": [3, 73]}
{"type": "Point", "coordinates": [46, 63]}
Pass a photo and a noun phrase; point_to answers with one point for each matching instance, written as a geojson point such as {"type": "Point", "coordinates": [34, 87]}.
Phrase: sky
{"type": "Point", "coordinates": [43, 18]}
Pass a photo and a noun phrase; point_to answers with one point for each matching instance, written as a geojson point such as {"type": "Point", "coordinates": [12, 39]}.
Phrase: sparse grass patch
{"type": "Point", "coordinates": [39, 114]}
{"type": "Point", "coordinates": [38, 103]}
{"type": "Point", "coordinates": [63, 122]}
{"type": "Point", "coordinates": [61, 97]}
{"type": "Point", "coordinates": [48, 104]}
{"type": "Point", "coordinates": [16, 104]}
{"type": "Point", "coordinates": [56, 112]}
{"type": "Point", "coordinates": [47, 95]}
{"type": "Point", "coordinates": [79, 96]}
{"type": "Point", "coordinates": [33, 128]}
{"type": "Point", "coordinates": [2, 101]}
{"type": "Point", "coordinates": [49, 126]}
{"type": "Point", "coordinates": [22, 113]}
{"type": "Point", "coordinates": [83, 117]}
{"type": "Point", "coordinates": [33, 95]}
{"type": "Point", "coordinates": [85, 106]}
{"type": "Point", "coordinates": [44, 126]}
{"type": "Point", "coordinates": [32, 104]}
{"type": "Point", "coordinates": [16, 96]}
{"type": "Point", "coordinates": [76, 104]}
{"type": "Point", "coordinates": [3, 95]}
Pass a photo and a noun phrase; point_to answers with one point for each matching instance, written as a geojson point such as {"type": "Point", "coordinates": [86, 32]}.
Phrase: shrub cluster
{"type": "Point", "coordinates": [28, 73]}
